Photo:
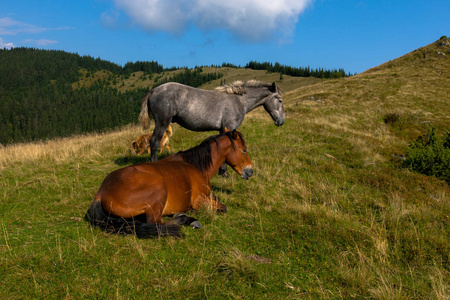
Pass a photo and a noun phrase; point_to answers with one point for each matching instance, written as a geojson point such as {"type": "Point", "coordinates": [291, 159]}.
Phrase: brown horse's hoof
{"type": "Point", "coordinates": [196, 225]}
{"type": "Point", "coordinates": [222, 209]}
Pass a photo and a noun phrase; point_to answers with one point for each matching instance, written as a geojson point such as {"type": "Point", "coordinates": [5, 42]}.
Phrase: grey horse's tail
{"type": "Point", "coordinates": [97, 216]}
{"type": "Point", "coordinates": [144, 117]}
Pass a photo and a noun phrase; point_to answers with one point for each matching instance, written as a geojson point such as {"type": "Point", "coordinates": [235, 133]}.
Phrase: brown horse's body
{"type": "Point", "coordinates": [173, 185]}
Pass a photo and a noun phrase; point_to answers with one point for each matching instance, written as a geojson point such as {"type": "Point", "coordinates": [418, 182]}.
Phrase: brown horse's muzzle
{"type": "Point", "coordinates": [247, 173]}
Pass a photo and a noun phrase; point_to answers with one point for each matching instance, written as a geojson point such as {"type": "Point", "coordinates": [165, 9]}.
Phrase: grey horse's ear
{"type": "Point", "coordinates": [273, 88]}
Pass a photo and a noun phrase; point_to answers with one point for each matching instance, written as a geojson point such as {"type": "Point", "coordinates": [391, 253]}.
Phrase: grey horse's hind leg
{"type": "Point", "coordinates": [155, 140]}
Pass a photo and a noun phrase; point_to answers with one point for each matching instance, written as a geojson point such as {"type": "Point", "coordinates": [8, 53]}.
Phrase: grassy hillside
{"type": "Point", "coordinates": [140, 80]}
{"type": "Point", "coordinates": [329, 213]}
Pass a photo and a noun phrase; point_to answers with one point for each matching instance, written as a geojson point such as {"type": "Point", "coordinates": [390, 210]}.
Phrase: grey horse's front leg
{"type": "Point", "coordinates": [223, 171]}
{"type": "Point", "coordinates": [223, 168]}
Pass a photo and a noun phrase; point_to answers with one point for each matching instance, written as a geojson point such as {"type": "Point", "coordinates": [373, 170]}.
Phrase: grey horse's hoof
{"type": "Point", "coordinates": [196, 225]}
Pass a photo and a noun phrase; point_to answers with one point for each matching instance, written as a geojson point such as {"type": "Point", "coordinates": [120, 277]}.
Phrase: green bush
{"type": "Point", "coordinates": [430, 155]}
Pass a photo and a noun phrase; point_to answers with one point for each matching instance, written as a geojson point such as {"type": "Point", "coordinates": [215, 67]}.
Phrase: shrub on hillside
{"type": "Point", "coordinates": [430, 155]}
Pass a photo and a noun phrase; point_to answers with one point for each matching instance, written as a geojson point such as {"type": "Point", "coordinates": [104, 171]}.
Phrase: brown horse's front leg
{"type": "Point", "coordinates": [182, 219]}
{"type": "Point", "coordinates": [216, 199]}
{"type": "Point", "coordinates": [154, 213]}
{"type": "Point", "coordinates": [210, 202]}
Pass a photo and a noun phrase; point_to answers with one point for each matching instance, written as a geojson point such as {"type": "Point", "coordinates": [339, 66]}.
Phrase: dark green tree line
{"type": "Point", "coordinates": [194, 78]}
{"type": "Point", "coordinates": [297, 72]}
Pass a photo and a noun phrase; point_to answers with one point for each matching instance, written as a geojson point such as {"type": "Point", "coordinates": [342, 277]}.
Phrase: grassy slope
{"type": "Point", "coordinates": [329, 212]}
{"type": "Point", "coordinates": [136, 80]}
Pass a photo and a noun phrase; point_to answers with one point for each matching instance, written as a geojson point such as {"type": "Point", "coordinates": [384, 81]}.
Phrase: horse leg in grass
{"type": "Point", "coordinates": [182, 219]}
{"type": "Point", "coordinates": [155, 140]}
{"type": "Point", "coordinates": [223, 168]}
{"type": "Point", "coordinates": [211, 203]}
{"type": "Point", "coordinates": [223, 171]}
{"type": "Point", "coordinates": [217, 199]}
{"type": "Point", "coordinates": [154, 215]}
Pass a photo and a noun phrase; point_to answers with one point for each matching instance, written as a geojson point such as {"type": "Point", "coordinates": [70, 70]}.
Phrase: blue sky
{"type": "Point", "coordinates": [352, 34]}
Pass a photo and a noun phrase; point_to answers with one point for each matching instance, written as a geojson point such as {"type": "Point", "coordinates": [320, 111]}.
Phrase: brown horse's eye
{"type": "Point", "coordinates": [244, 151]}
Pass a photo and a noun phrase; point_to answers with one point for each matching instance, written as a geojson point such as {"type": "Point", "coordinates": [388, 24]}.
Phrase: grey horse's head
{"type": "Point", "coordinates": [274, 105]}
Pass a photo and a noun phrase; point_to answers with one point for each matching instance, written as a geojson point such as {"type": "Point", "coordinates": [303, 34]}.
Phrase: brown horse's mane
{"type": "Point", "coordinates": [240, 87]}
{"type": "Point", "coordinates": [200, 156]}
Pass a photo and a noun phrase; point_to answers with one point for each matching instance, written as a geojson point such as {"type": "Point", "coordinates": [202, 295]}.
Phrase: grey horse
{"type": "Point", "coordinates": [207, 110]}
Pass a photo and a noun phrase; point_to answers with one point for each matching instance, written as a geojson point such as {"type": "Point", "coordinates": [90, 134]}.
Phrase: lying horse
{"type": "Point", "coordinates": [133, 199]}
{"type": "Point", "coordinates": [202, 110]}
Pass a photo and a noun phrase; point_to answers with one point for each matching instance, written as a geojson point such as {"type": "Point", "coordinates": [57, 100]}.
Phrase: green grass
{"type": "Point", "coordinates": [329, 213]}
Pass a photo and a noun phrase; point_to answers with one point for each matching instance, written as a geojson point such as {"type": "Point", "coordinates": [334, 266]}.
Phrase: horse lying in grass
{"type": "Point", "coordinates": [202, 110]}
{"type": "Point", "coordinates": [132, 200]}
{"type": "Point", "coordinates": [143, 142]}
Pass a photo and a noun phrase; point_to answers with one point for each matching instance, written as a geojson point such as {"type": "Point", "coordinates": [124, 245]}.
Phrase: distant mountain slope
{"type": "Point", "coordinates": [414, 87]}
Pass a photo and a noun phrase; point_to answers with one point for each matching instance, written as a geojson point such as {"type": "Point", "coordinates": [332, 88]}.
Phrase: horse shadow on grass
{"type": "Point", "coordinates": [221, 189]}
{"type": "Point", "coordinates": [133, 159]}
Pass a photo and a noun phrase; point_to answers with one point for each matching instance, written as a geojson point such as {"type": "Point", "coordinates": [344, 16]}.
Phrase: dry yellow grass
{"type": "Point", "coordinates": [79, 147]}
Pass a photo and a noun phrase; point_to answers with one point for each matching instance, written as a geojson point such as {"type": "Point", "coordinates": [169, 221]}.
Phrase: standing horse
{"type": "Point", "coordinates": [133, 199]}
{"type": "Point", "coordinates": [202, 110]}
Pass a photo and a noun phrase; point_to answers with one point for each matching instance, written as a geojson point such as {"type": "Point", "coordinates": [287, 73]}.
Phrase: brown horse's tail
{"type": "Point", "coordinates": [97, 216]}
{"type": "Point", "coordinates": [144, 117]}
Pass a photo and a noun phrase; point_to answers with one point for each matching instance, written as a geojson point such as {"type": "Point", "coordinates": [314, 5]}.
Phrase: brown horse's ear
{"type": "Point", "coordinates": [235, 134]}
{"type": "Point", "coordinates": [226, 129]}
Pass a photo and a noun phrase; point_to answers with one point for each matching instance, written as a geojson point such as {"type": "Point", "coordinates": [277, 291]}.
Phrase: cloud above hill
{"type": "Point", "coordinates": [248, 20]}
{"type": "Point", "coordinates": [5, 45]}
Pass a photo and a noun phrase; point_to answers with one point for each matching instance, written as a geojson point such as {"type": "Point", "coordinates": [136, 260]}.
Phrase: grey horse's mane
{"type": "Point", "coordinates": [239, 87]}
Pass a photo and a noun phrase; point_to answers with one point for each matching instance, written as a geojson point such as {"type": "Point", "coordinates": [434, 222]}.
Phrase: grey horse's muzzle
{"type": "Point", "coordinates": [278, 119]}
{"type": "Point", "coordinates": [247, 173]}
{"type": "Point", "coordinates": [279, 122]}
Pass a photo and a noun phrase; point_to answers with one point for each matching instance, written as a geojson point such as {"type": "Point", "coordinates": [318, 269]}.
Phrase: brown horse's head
{"type": "Point", "coordinates": [237, 157]}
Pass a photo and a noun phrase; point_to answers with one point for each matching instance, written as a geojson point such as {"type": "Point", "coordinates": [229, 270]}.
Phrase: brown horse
{"type": "Point", "coordinates": [133, 199]}
{"type": "Point", "coordinates": [143, 142]}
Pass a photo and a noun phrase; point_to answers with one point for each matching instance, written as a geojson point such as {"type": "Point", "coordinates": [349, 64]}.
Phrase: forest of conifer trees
{"type": "Point", "coordinates": [37, 100]}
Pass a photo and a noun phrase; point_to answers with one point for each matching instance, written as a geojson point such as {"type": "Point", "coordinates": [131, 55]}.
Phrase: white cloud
{"type": "Point", "coordinates": [10, 26]}
{"type": "Point", "coordinates": [40, 42]}
{"type": "Point", "coordinates": [4, 45]}
{"type": "Point", "coordinates": [251, 20]}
